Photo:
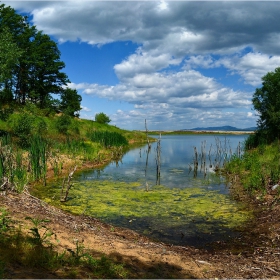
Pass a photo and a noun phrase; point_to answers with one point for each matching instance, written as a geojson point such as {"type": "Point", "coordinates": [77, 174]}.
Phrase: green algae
{"type": "Point", "coordinates": [160, 212]}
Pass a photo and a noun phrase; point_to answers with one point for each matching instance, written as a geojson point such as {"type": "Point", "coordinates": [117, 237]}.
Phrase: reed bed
{"type": "Point", "coordinates": [218, 155]}
{"type": "Point", "coordinates": [13, 172]}
{"type": "Point", "coordinates": [107, 138]}
{"type": "Point", "coordinates": [38, 157]}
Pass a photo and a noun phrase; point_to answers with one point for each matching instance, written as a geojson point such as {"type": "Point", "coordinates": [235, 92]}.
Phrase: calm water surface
{"type": "Point", "coordinates": [176, 162]}
{"type": "Point", "coordinates": [197, 208]}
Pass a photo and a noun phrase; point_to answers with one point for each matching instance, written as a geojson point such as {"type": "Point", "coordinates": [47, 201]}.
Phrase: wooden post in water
{"type": "Point", "coordinates": [158, 160]}
{"type": "Point", "coordinates": [63, 199]}
{"type": "Point", "coordinates": [148, 141]}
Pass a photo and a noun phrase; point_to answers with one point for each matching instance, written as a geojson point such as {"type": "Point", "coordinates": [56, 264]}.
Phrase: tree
{"type": "Point", "coordinates": [70, 102]}
{"type": "Point", "coordinates": [102, 118]}
{"type": "Point", "coordinates": [35, 74]}
{"type": "Point", "coordinates": [9, 54]}
{"type": "Point", "coordinates": [266, 101]}
{"type": "Point", "coordinates": [19, 32]}
{"type": "Point", "coordinates": [44, 73]}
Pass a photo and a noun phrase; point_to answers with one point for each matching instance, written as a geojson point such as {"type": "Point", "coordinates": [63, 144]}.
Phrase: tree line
{"type": "Point", "coordinates": [30, 67]}
{"type": "Point", "coordinates": [266, 102]}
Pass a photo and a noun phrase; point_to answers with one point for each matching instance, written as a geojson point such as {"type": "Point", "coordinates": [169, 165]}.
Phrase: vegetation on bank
{"type": "Point", "coordinates": [258, 170]}
{"type": "Point", "coordinates": [189, 132]}
{"type": "Point", "coordinates": [31, 144]}
{"type": "Point", "coordinates": [34, 147]}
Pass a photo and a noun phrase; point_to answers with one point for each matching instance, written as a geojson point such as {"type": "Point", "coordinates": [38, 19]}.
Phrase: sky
{"type": "Point", "coordinates": [176, 64]}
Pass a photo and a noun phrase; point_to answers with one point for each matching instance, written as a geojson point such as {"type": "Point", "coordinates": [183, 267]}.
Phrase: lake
{"type": "Point", "coordinates": [185, 205]}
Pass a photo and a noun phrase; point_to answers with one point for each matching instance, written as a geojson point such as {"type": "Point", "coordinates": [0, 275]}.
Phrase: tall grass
{"type": "Point", "coordinates": [20, 175]}
{"type": "Point", "coordinates": [257, 169]}
{"type": "Point", "coordinates": [77, 148]}
{"type": "Point", "coordinates": [107, 138]}
{"type": "Point", "coordinates": [6, 160]}
{"type": "Point", "coordinates": [38, 157]}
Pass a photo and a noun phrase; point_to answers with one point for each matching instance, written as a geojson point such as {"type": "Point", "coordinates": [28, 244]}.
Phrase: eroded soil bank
{"type": "Point", "coordinates": [255, 254]}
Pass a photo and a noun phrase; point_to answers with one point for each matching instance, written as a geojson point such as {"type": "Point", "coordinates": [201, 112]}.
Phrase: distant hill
{"type": "Point", "coordinates": [223, 128]}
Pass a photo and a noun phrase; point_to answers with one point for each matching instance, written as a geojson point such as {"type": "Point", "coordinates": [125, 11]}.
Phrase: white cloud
{"type": "Point", "coordinates": [185, 89]}
{"type": "Point", "coordinates": [201, 35]}
{"type": "Point", "coordinates": [143, 62]}
{"type": "Point", "coordinates": [251, 66]}
{"type": "Point", "coordinates": [86, 109]}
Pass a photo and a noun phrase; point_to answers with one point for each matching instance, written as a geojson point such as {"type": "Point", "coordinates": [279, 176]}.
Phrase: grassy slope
{"type": "Point", "coordinates": [67, 145]}
{"type": "Point", "coordinates": [64, 149]}
{"type": "Point", "coordinates": [258, 170]}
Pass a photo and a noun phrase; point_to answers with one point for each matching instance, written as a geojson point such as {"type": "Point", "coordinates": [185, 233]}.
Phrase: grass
{"type": "Point", "coordinates": [35, 250]}
{"type": "Point", "coordinates": [258, 169]}
{"type": "Point", "coordinates": [107, 138]}
{"type": "Point", "coordinates": [31, 142]}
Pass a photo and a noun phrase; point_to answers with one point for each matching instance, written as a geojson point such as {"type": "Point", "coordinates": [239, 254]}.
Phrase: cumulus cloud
{"type": "Point", "coordinates": [181, 27]}
{"type": "Point", "coordinates": [185, 89]}
{"type": "Point", "coordinates": [86, 109]}
{"type": "Point", "coordinates": [252, 66]}
{"type": "Point", "coordinates": [183, 35]}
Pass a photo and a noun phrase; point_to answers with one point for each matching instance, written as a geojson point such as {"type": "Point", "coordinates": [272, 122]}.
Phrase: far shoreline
{"type": "Point", "coordinates": [177, 132]}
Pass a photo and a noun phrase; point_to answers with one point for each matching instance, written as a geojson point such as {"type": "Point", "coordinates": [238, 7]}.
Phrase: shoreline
{"type": "Point", "coordinates": [257, 247]}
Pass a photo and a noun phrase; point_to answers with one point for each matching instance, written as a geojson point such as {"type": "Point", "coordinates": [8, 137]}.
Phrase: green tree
{"type": "Point", "coordinates": [9, 54]}
{"type": "Point", "coordinates": [102, 118]}
{"type": "Point", "coordinates": [20, 33]}
{"type": "Point", "coordinates": [37, 74]}
{"type": "Point", "coordinates": [266, 101]}
{"type": "Point", "coordinates": [71, 102]}
{"type": "Point", "coordinates": [45, 76]}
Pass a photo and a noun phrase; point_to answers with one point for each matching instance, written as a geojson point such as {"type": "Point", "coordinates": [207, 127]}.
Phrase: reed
{"type": "Point", "coordinates": [107, 138]}
{"type": "Point", "coordinates": [20, 174]}
{"type": "Point", "coordinates": [6, 159]}
{"type": "Point", "coordinates": [38, 157]}
{"type": "Point", "coordinates": [218, 155]}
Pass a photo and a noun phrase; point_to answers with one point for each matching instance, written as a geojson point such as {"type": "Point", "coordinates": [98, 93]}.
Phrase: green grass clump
{"type": "Point", "coordinates": [107, 138]}
{"type": "Point", "coordinates": [38, 157]}
{"type": "Point", "coordinates": [36, 250]}
{"type": "Point", "coordinates": [258, 169]}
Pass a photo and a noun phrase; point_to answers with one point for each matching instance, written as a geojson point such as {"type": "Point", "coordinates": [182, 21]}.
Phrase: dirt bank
{"type": "Point", "coordinates": [255, 254]}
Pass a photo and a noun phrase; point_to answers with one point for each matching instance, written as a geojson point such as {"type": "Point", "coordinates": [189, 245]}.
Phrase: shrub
{"type": "Point", "coordinates": [5, 113]}
{"type": "Point", "coordinates": [102, 118]}
{"type": "Point", "coordinates": [256, 139]}
{"type": "Point", "coordinates": [63, 123]}
{"type": "Point", "coordinates": [21, 126]}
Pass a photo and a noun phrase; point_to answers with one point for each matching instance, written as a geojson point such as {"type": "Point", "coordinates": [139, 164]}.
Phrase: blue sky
{"type": "Point", "coordinates": [178, 64]}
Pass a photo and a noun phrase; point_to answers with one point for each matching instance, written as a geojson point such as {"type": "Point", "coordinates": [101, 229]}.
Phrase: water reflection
{"type": "Point", "coordinates": [192, 206]}
{"type": "Point", "coordinates": [179, 161]}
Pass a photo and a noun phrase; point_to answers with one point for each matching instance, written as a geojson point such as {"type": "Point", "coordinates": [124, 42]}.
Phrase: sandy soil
{"type": "Point", "coordinates": [255, 254]}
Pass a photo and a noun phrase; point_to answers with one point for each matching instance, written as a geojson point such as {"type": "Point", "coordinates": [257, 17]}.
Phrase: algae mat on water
{"type": "Point", "coordinates": [190, 215]}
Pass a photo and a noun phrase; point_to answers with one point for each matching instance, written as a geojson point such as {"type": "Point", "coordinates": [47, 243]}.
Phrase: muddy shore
{"type": "Point", "coordinates": [254, 254]}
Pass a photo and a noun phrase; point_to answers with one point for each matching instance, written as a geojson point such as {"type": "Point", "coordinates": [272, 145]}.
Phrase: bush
{"type": "Point", "coordinates": [5, 113]}
{"type": "Point", "coordinates": [21, 126]}
{"type": "Point", "coordinates": [63, 123]}
{"type": "Point", "coordinates": [256, 139]}
{"type": "Point", "coordinates": [102, 118]}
